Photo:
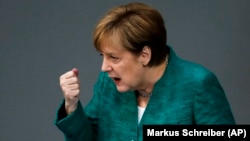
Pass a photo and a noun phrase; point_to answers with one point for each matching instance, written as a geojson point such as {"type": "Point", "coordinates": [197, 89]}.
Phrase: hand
{"type": "Point", "coordinates": [70, 86]}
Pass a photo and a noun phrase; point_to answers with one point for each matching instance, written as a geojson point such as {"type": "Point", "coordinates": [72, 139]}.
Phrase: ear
{"type": "Point", "coordinates": [145, 55]}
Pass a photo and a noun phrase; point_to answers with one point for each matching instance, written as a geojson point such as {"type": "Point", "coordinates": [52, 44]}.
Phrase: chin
{"type": "Point", "coordinates": [122, 89]}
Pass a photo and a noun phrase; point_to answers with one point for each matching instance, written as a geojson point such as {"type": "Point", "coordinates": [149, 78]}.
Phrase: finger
{"type": "Point", "coordinates": [67, 75]}
{"type": "Point", "coordinates": [72, 94]}
{"type": "Point", "coordinates": [72, 80]}
{"type": "Point", "coordinates": [66, 83]}
{"type": "Point", "coordinates": [74, 86]}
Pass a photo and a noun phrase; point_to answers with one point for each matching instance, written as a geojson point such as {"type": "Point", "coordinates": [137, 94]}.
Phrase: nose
{"type": "Point", "coordinates": [106, 67]}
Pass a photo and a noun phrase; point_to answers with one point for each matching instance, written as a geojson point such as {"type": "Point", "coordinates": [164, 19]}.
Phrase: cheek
{"type": "Point", "coordinates": [130, 71]}
{"type": "Point", "coordinates": [132, 74]}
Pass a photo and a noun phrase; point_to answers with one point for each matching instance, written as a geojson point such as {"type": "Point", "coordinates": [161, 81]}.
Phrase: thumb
{"type": "Point", "coordinates": [75, 70]}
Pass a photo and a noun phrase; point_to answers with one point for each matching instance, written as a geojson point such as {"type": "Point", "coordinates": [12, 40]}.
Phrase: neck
{"type": "Point", "coordinates": [153, 74]}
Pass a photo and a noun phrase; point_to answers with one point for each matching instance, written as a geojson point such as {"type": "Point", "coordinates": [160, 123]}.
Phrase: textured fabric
{"type": "Point", "coordinates": [187, 93]}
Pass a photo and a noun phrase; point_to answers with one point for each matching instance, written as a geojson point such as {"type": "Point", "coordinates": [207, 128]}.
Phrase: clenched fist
{"type": "Point", "coordinates": [70, 85]}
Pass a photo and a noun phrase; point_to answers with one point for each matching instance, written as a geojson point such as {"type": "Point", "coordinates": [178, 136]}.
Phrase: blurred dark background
{"type": "Point", "coordinates": [41, 39]}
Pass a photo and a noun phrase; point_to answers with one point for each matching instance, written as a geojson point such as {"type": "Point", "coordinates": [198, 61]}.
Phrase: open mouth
{"type": "Point", "coordinates": [116, 80]}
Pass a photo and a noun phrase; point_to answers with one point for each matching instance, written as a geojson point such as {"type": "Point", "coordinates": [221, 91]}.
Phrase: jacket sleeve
{"type": "Point", "coordinates": [75, 126]}
{"type": "Point", "coordinates": [211, 105]}
{"type": "Point", "coordinates": [82, 124]}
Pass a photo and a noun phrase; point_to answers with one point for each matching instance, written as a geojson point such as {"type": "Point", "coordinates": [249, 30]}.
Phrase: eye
{"type": "Point", "coordinates": [113, 57]}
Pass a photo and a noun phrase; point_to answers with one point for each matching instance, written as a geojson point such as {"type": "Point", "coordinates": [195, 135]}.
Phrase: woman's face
{"type": "Point", "coordinates": [123, 67]}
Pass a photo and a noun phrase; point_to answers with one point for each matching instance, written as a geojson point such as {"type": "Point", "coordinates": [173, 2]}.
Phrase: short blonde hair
{"type": "Point", "coordinates": [137, 25]}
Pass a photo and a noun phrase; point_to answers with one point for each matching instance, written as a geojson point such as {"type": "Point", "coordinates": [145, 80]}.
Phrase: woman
{"type": "Point", "coordinates": [142, 82]}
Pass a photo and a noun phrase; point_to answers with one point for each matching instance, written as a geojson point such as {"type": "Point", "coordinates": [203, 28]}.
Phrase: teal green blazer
{"type": "Point", "coordinates": [187, 94]}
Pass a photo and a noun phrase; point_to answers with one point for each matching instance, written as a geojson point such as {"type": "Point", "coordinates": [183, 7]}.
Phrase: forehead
{"type": "Point", "coordinates": [110, 44]}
